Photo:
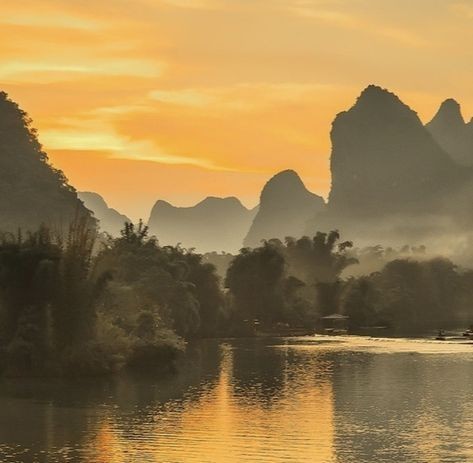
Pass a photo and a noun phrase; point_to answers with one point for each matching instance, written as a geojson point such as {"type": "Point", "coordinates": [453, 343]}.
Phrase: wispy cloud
{"type": "Point", "coordinates": [319, 11]}
{"type": "Point", "coordinates": [463, 8]}
{"type": "Point", "coordinates": [241, 97]}
{"type": "Point", "coordinates": [117, 146]}
{"type": "Point", "coordinates": [193, 4]}
{"type": "Point", "coordinates": [50, 19]}
{"type": "Point", "coordinates": [33, 70]}
{"type": "Point", "coordinates": [185, 97]}
{"type": "Point", "coordinates": [237, 86]}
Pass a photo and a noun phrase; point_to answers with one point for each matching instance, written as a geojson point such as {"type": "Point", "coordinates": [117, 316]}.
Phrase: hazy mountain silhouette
{"type": "Point", "coordinates": [285, 207]}
{"type": "Point", "coordinates": [384, 161]}
{"type": "Point", "coordinates": [32, 192]}
{"type": "Point", "coordinates": [392, 183]}
{"type": "Point", "coordinates": [110, 220]}
{"type": "Point", "coordinates": [452, 133]}
{"type": "Point", "coordinates": [214, 224]}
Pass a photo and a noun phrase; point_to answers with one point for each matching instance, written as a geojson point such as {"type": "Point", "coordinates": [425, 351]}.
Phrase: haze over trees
{"type": "Point", "coordinates": [411, 296]}
{"type": "Point", "coordinates": [384, 164]}
{"type": "Point", "coordinates": [293, 282]}
{"type": "Point", "coordinates": [297, 282]}
{"type": "Point", "coordinates": [73, 304]}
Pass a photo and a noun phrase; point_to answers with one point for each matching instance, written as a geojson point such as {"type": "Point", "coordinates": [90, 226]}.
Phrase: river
{"type": "Point", "coordinates": [311, 399]}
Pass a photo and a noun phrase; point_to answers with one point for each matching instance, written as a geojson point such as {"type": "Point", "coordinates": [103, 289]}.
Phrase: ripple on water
{"type": "Point", "coordinates": [318, 399]}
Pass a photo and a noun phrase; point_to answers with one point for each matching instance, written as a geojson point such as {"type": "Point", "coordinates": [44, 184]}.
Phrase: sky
{"type": "Point", "coordinates": [140, 100]}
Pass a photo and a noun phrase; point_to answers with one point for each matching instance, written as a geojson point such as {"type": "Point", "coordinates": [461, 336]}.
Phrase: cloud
{"type": "Point", "coordinates": [185, 97]}
{"type": "Point", "coordinates": [117, 146]}
{"type": "Point", "coordinates": [240, 97]}
{"type": "Point", "coordinates": [462, 8]}
{"type": "Point", "coordinates": [34, 70]}
{"type": "Point", "coordinates": [235, 88]}
{"type": "Point", "coordinates": [343, 19]}
{"type": "Point", "coordinates": [51, 19]}
{"type": "Point", "coordinates": [193, 4]}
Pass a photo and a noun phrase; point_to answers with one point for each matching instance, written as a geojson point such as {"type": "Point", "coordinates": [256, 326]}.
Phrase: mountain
{"type": "Point", "coordinates": [214, 224]}
{"type": "Point", "coordinates": [285, 207]}
{"type": "Point", "coordinates": [385, 162]}
{"type": "Point", "coordinates": [110, 220]}
{"type": "Point", "coordinates": [32, 192]}
{"type": "Point", "coordinates": [452, 133]}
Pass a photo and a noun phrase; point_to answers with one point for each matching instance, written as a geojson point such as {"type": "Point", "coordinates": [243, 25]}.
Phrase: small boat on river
{"type": "Point", "coordinates": [335, 324]}
{"type": "Point", "coordinates": [469, 333]}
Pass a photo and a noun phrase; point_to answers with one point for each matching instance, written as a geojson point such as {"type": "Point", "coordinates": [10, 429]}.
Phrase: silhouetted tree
{"type": "Point", "coordinates": [170, 282]}
{"type": "Point", "coordinates": [409, 295]}
{"type": "Point", "coordinates": [255, 278]}
{"type": "Point", "coordinates": [47, 295]}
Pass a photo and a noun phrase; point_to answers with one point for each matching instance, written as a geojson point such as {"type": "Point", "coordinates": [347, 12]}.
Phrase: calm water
{"type": "Point", "coordinates": [289, 400]}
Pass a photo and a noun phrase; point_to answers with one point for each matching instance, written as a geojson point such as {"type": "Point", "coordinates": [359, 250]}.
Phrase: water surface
{"type": "Point", "coordinates": [317, 399]}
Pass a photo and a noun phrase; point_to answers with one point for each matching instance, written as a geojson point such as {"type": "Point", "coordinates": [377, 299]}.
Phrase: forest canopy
{"type": "Point", "coordinates": [86, 304]}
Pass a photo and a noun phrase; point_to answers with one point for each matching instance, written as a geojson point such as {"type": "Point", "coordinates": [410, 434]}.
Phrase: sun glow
{"type": "Point", "coordinates": [238, 89]}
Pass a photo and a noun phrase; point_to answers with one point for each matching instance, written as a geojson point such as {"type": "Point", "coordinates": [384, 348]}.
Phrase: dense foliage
{"type": "Point", "coordinates": [47, 296]}
{"type": "Point", "coordinates": [173, 284]}
{"type": "Point", "coordinates": [65, 310]}
{"type": "Point", "coordinates": [70, 305]}
{"type": "Point", "coordinates": [410, 295]}
{"type": "Point", "coordinates": [288, 283]}
{"type": "Point", "coordinates": [297, 282]}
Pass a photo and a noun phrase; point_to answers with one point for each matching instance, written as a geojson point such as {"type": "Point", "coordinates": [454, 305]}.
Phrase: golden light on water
{"type": "Point", "coordinates": [350, 399]}
{"type": "Point", "coordinates": [229, 425]}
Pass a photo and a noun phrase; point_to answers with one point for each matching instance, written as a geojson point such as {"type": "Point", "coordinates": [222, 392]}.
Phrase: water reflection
{"type": "Point", "coordinates": [404, 407]}
{"type": "Point", "coordinates": [255, 400]}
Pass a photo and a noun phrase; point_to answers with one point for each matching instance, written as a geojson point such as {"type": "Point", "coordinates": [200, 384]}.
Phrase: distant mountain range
{"type": "Point", "coordinates": [109, 220]}
{"type": "Point", "coordinates": [285, 207]}
{"type": "Point", "coordinates": [224, 224]}
{"type": "Point", "coordinates": [214, 224]}
{"type": "Point", "coordinates": [392, 177]}
{"type": "Point", "coordinates": [452, 133]}
{"type": "Point", "coordinates": [385, 162]}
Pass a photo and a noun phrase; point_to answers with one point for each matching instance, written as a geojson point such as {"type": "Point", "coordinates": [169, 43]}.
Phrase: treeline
{"type": "Point", "coordinates": [410, 296]}
{"type": "Point", "coordinates": [67, 307]}
{"type": "Point", "coordinates": [83, 306]}
{"type": "Point", "coordinates": [297, 282]}
{"type": "Point", "coordinates": [291, 283]}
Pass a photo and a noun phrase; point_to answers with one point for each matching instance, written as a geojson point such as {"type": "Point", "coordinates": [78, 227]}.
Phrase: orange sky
{"type": "Point", "coordinates": [141, 100]}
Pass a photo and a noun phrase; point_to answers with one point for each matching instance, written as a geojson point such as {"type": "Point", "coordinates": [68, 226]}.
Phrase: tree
{"type": "Point", "coordinates": [358, 301]}
{"type": "Point", "coordinates": [255, 278]}
{"type": "Point", "coordinates": [319, 262]}
{"type": "Point", "coordinates": [171, 282]}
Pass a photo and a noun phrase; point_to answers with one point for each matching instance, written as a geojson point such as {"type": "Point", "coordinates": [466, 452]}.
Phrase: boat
{"type": "Point", "coordinates": [468, 333]}
{"type": "Point", "coordinates": [335, 324]}
{"type": "Point", "coordinates": [335, 331]}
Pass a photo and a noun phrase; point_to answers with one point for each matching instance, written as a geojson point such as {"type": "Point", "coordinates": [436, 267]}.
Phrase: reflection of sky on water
{"type": "Point", "coordinates": [309, 399]}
